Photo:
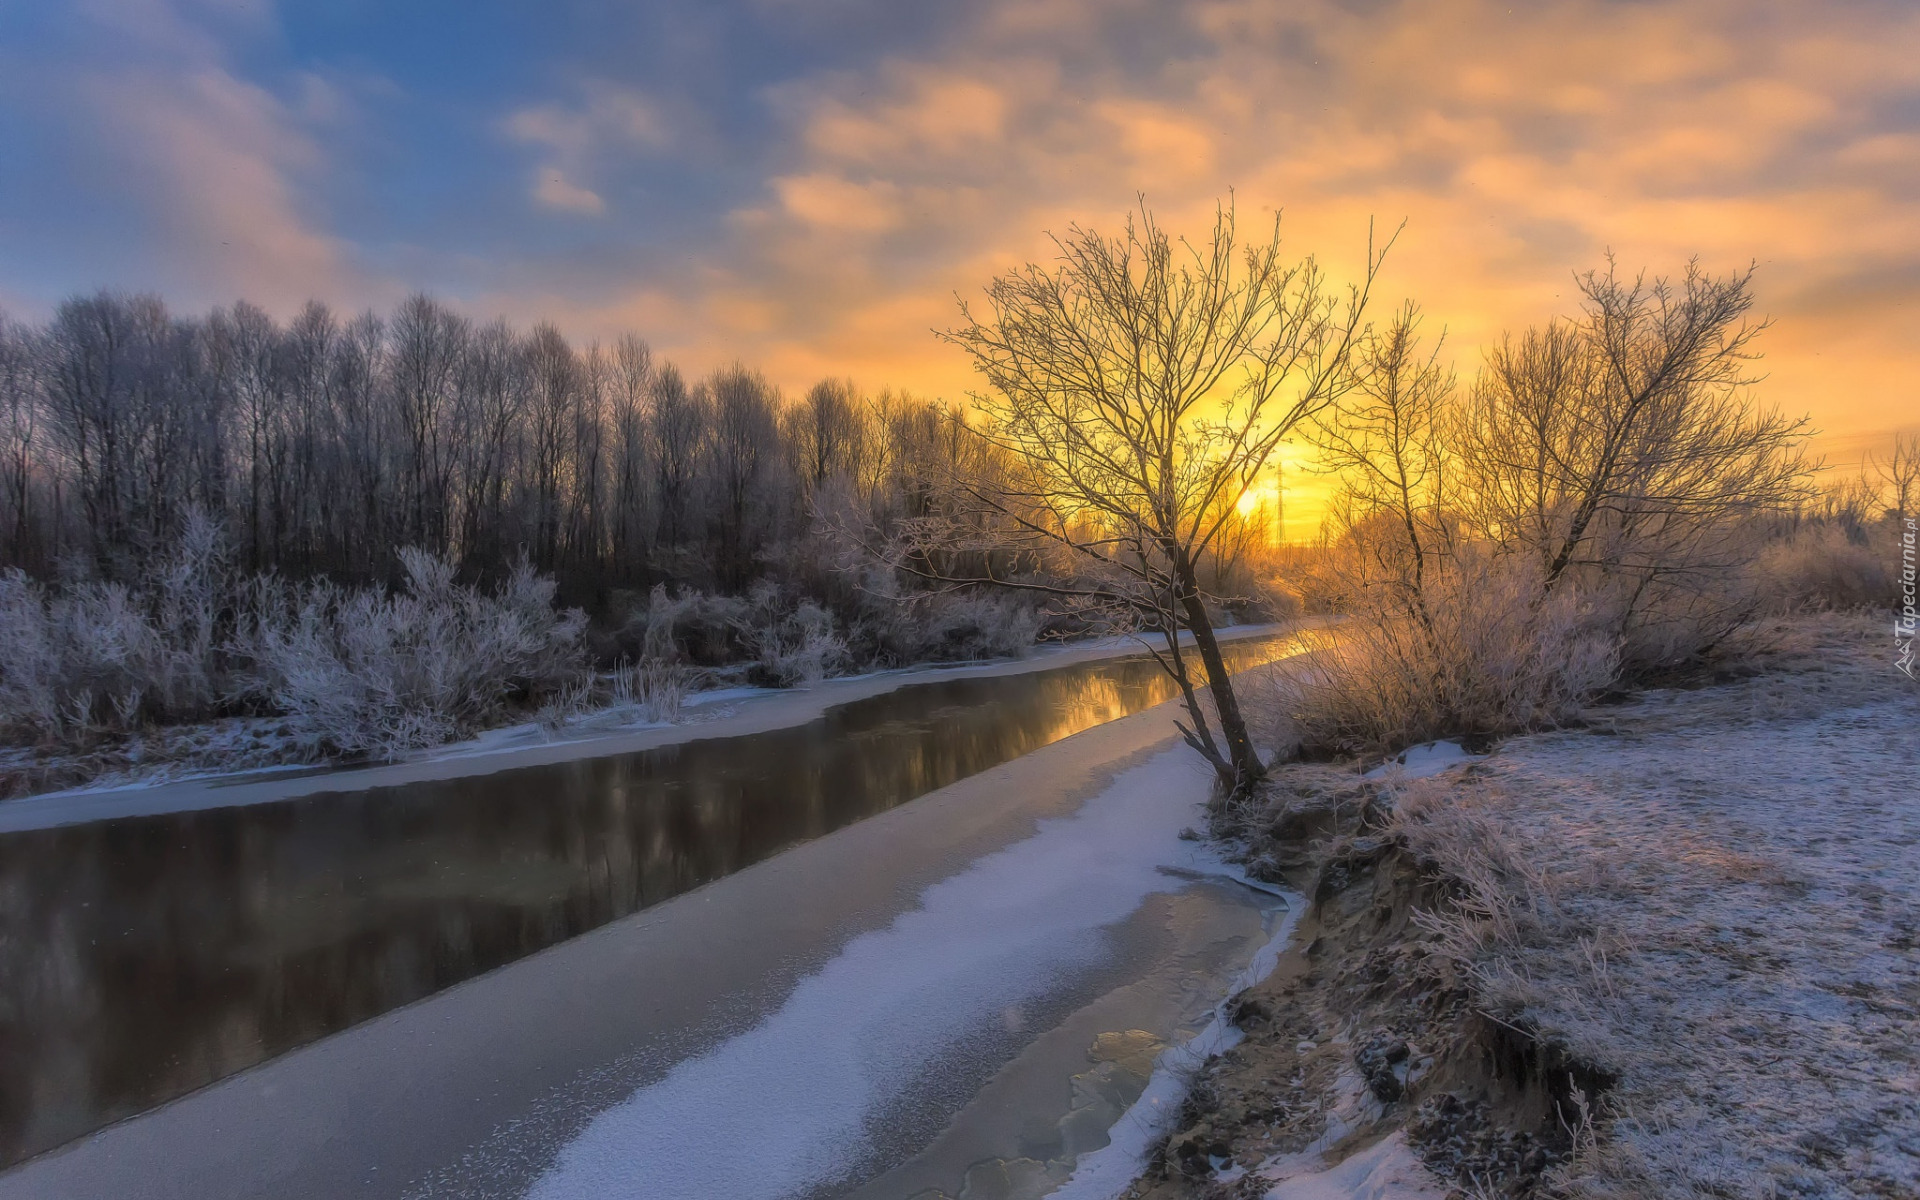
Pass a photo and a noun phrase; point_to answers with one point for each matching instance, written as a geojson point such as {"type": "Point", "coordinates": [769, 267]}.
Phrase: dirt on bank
{"type": "Point", "coordinates": [1669, 953]}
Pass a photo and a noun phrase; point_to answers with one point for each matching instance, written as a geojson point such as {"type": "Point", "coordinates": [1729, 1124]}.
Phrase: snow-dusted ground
{"type": "Point", "coordinates": [1715, 895]}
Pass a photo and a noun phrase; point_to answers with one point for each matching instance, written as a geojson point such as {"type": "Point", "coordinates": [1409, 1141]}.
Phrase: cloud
{"type": "Point", "coordinates": [607, 116]}
{"type": "Point", "coordinates": [829, 201]}
{"type": "Point", "coordinates": [608, 121]}
{"type": "Point", "coordinates": [1520, 142]}
{"type": "Point", "coordinates": [197, 181]}
{"type": "Point", "coordinates": [811, 195]}
{"type": "Point", "coordinates": [224, 164]}
{"type": "Point", "coordinates": [554, 191]}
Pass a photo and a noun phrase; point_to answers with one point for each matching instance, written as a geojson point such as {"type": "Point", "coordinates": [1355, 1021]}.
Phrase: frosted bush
{"type": "Point", "coordinates": [895, 629]}
{"type": "Point", "coordinates": [1822, 566]}
{"type": "Point", "coordinates": [362, 672]}
{"type": "Point", "coordinates": [99, 657]}
{"type": "Point", "coordinates": [1491, 658]}
{"type": "Point", "coordinates": [654, 686]}
{"type": "Point", "coordinates": [784, 641]}
{"type": "Point", "coordinates": [692, 626]}
{"type": "Point", "coordinates": [794, 648]}
{"type": "Point", "coordinates": [974, 625]}
{"type": "Point", "coordinates": [30, 662]}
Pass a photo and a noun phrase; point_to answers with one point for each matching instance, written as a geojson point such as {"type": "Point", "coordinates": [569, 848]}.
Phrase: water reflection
{"type": "Point", "coordinates": [146, 957]}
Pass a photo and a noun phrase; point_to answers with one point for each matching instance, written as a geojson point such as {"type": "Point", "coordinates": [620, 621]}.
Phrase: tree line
{"type": "Point", "coordinates": [326, 443]}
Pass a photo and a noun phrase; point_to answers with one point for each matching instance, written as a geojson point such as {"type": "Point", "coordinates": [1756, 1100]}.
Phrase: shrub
{"type": "Point", "coordinates": [655, 687]}
{"type": "Point", "coordinates": [1489, 658]}
{"type": "Point", "coordinates": [691, 626]}
{"type": "Point", "coordinates": [1827, 566]}
{"type": "Point", "coordinates": [99, 657]}
{"type": "Point", "coordinates": [362, 672]}
{"type": "Point", "coordinates": [893, 629]}
{"type": "Point", "coordinates": [791, 646]}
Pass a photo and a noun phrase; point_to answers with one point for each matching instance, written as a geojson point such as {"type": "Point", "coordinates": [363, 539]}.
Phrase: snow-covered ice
{"type": "Point", "coordinates": [799, 1088]}
{"type": "Point", "coordinates": [1107, 1172]}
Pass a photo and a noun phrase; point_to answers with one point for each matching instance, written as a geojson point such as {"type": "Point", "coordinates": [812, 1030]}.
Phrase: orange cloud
{"type": "Point", "coordinates": [1520, 143]}
{"type": "Point", "coordinates": [222, 158]}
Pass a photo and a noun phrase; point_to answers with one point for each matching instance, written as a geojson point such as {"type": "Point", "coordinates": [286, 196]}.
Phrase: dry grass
{"type": "Point", "coordinates": [1717, 902]}
{"type": "Point", "coordinates": [1483, 656]}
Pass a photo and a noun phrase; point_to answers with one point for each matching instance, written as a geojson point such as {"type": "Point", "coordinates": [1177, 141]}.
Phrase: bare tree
{"type": "Point", "coordinates": [1898, 475]}
{"type": "Point", "coordinates": [1383, 438]}
{"type": "Point", "coordinates": [742, 443]}
{"type": "Point", "coordinates": [428, 343]}
{"type": "Point", "coordinates": [1136, 390]}
{"type": "Point", "coordinates": [19, 416]}
{"type": "Point", "coordinates": [1624, 446]}
{"type": "Point", "coordinates": [633, 369]}
{"type": "Point", "coordinates": [824, 430]}
{"type": "Point", "coordinates": [555, 375]}
{"type": "Point", "coordinates": [675, 420]}
{"type": "Point", "coordinates": [494, 394]}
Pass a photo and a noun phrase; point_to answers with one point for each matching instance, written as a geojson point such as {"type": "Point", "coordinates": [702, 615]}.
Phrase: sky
{"type": "Point", "coordinates": [806, 185]}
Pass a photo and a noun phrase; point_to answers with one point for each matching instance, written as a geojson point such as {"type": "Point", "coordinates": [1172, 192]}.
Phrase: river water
{"type": "Point", "coordinates": [146, 957]}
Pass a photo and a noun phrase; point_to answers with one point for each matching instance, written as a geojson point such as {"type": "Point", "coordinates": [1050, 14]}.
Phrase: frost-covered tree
{"type": "Point", "coordinates": [1136, 391]}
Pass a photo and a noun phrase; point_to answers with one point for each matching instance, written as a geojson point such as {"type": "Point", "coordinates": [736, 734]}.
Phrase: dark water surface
{"type": "Point", "coordinates": [145, 957]}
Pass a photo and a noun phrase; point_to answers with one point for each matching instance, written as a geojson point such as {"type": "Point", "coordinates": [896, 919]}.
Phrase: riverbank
{"type": "Point", "coordinates": [730, 713]}
{"type": "Point", "coordinates": [1669, 953]}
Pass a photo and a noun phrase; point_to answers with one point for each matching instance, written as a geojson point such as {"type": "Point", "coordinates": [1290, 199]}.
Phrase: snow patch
{"type": "Point", "coordinates": [1418, 762]}
{"type": "Point", "coordinates": [1387, 1170]}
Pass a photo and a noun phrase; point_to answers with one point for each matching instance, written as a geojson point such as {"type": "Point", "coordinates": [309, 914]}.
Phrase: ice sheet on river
{"type": "Point", "coordinates": [784, 1107]}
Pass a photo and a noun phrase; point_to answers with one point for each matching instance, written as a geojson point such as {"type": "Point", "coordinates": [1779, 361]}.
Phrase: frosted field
{"type": "Point", "coordinates": [1716, 895]}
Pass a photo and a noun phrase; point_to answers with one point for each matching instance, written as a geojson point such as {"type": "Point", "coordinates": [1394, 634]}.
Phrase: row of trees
{"type": "Point", "coordinates": [327, 443]}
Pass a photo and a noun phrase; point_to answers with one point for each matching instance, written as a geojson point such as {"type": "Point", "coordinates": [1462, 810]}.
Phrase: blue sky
{"type": "Point", "coordinates": [392, 128]}
{"type": "Point", "coordinates": [805, 185]}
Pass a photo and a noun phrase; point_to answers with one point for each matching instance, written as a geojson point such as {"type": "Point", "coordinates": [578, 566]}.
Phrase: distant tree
{"type": "Point", "coordinates": [743, 445]}
{"type": "Point", "coordinates": [633, 370]}
{"type": "Point", "coordinates": [824, 430]}
{"type": "Point", "coordinates": [1897, 476]}
{"type": "Point", "coordinates": [676, 421]}
{"type": "Point", "coordinates": [19, 417]}
{"type": "Point", "coordinates": [428, 342]}
{"type": "Point", "coordinates": [1136, 391]}
{"type": "Point", "coordinates": [1383, 439]}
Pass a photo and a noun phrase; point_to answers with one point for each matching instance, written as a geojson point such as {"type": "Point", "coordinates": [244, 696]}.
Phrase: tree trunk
{"type": "Point", "coordinates": [1233, 727]}
{"type": "Point", "coordinates": [1200, 737]}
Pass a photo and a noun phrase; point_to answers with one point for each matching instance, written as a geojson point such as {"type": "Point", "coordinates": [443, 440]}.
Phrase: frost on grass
{"type": "Point", "coordinates": [1713, 896]}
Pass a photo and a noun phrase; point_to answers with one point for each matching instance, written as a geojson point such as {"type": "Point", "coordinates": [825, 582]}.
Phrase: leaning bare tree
{"type": "Point", "coordinates": [1136, 391]}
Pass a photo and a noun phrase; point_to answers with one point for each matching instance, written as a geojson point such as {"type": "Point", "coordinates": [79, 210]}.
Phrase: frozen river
{"type": "Point", "coordinates": [916, 945]}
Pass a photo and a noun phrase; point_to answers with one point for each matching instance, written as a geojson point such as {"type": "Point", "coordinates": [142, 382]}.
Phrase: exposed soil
{"type": "Point", "coordinates": [1366, 1031]}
